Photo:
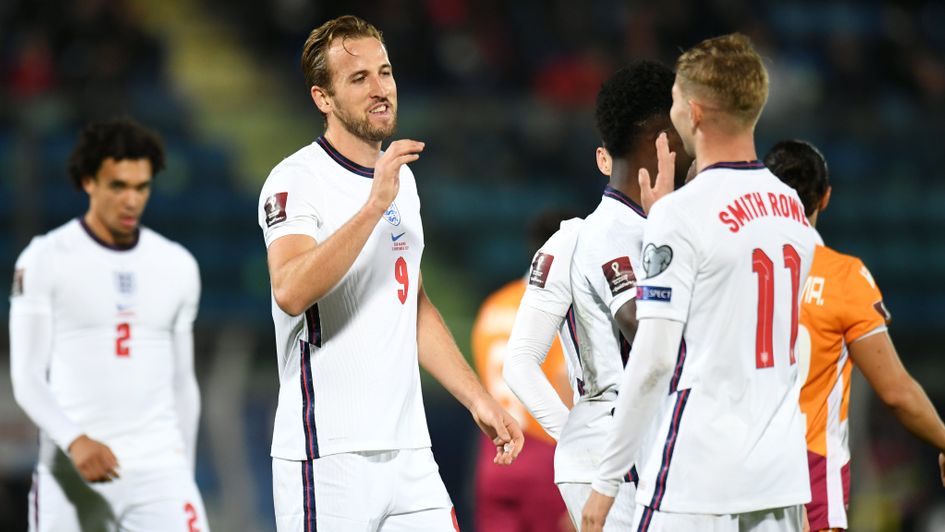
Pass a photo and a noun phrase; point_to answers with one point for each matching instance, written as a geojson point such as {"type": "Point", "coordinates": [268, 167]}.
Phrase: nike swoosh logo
{"type": "Point", "coordinates": [395, 238]}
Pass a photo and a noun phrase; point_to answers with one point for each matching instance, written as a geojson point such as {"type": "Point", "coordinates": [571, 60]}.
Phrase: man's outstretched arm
{"type": "Point", "coordinates": [439, 355]}
{"type": "Point", "coordinates": [876, 357]}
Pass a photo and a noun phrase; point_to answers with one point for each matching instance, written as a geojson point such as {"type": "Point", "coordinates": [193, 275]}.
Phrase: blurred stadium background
{"type": "Point", "coordinates": [502, 92]}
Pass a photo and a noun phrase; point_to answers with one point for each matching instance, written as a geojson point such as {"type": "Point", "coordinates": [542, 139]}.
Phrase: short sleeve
{"type": "Point", "coordinates": [669, 265]}
{"type": "Point", "coordinates": [549, 278]}
{"type": "Point", "coordinates": [33, 280]}
{"type": "Point", "coordinates": [608, 266]}
{"type": "Point", "coordinates": [865, 312]}
{"type": "Point", "coordinates": [285, 208]}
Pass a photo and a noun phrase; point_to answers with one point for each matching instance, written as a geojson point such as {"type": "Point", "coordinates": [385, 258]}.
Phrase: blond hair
{"type": "Point", "coordinates": [315, 51]}
{"type": "Point", "coordinates": [729, 73]}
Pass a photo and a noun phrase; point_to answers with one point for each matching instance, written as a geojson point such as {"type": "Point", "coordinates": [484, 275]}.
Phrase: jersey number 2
{"type": "Point", "coordinates": [121, 341]}
{"type": "Point", "coordinates": [764, 267]}
{"type": "Point", "coordinates": [191, 517]}
{"type": "Point", "coordinates": [402, 277]}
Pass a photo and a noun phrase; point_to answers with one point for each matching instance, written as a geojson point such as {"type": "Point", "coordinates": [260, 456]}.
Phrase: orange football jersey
{"type": "Point", "coordinates": [490, 338]}
{"type": "Point", "coordinates": [840, 304]}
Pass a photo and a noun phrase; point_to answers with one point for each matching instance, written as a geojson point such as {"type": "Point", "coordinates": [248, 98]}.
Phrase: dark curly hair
{"type": "Point", "coordinates": [628, 99]}
{"type": "Point", "coordinates": [118, 138]}
{"type": "Point", "coordinates": [802, 167]}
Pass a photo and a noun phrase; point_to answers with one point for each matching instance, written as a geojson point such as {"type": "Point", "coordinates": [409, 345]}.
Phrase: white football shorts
{"type": "Point", "coordinates": [385, 491]}
{"type": "Point", "coordinates": [575, 495]}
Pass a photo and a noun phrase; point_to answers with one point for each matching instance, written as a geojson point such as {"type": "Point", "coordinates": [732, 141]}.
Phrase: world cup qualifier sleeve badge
{"type": "Point", "coordinates": [619, 275]}
{"type": "Point", "coordinates": [275, 208]}
{"type": "Point", "coordinates": [541, 266]}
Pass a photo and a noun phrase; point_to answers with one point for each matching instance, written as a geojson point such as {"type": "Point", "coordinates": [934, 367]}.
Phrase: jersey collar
{"type": "Point", "coordinates": [99, 241]}
{"type": "Point", "coordinates": [613, 193]}
{"type": "Point", "coordinates": [345, 162]}
{"type": "Point", "coordinates": [737, 165]}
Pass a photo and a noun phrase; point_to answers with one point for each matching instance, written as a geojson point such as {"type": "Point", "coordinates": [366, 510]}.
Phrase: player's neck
{"type": "Point", "coordinates": [623, 177]}
{"type": "Point", "coordinates": [813, 218]}
{"type": "Point", "coordinates": [100, 231]}
{"type": "Point", "coordinates": [354, 148]}
{"type": "Point", "coordinates": [714, 149]}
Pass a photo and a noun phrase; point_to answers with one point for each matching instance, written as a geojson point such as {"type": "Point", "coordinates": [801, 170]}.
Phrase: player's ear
{"type": "Point", "coordinates": [696, 112]}
{"type": "Point", "coordinates": [604, 161]}
{"type": "Point", "coordinates": [88, 184]}
{"type": "Point", "coordinates": [321, 98]}
{"type": "Point", "coordinates": [826, 199]}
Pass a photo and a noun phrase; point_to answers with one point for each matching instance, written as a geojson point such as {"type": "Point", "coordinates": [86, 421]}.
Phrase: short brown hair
{"type": "Point", "coordinates": [729, 72]}
{"type": "Point", "coordinates": [315, 51]}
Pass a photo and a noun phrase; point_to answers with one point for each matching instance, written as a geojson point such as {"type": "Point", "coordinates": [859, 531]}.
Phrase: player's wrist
{"type": "Point", "coordinates": [77, 441]}
{"type": "Point", "coordinates": [374, 209]}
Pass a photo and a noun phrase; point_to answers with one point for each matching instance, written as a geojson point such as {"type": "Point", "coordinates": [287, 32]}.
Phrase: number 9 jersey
{"type": "Point", "coordinates": [348, 370]}
{"type": "Point", "coordinates": [727, 255]}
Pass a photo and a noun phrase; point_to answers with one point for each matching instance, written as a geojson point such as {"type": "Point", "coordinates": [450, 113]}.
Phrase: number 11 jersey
{"type": "Point", "coordinates": [348, 370]}
{"type": "Point", "coordinates": [727, 256]}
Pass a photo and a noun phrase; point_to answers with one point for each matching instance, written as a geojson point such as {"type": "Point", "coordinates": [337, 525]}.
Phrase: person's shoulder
{"type": "Point", "coordinates": [58, 240]}
{"type": "Point", "coordinates": [303, 163]}
{"type": "Point", "coordinates": [165, 248]}
{"type": "Point", "coordinates": [834, 263]}
{"type": "Point", "coordinates": [38, 249]}
{"type": "Point", "coordinates": [565, 237]}
{"type": "Point", "coordinates": [832, 259]}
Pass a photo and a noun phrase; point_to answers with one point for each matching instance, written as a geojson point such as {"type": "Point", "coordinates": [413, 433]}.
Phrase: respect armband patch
{"type": "Point", "coordinates": [654, 293]}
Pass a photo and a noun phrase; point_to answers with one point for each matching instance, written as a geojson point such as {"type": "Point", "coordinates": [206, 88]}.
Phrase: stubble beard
{"type": "Point", "coordinates": [362, 128]}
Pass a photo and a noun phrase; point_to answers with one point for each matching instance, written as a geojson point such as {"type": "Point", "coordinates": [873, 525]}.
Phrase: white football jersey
{"type": "Point", "coordinates": [113, 315]}
{"type": "Point", "coordinates": [602, 280]}
{"type": "Point", "coordinates": [348, 370]}
{"type": "Point", "coordinates": [727, 255]}
{"type": "Point", "coordinates": [549, 289]}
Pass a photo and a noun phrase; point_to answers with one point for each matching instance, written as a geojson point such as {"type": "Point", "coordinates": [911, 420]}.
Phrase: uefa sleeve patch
{"type": "Point", "coordinates": [654, 293]}
{"type": "Point", "coordinates": [656, 259]}
{"type": "Point", "coordinates": [619, 275]}
{"type": "Point", "coordinates": [275, 208]}
{"type": "Point", "coordinates": [541, 265]}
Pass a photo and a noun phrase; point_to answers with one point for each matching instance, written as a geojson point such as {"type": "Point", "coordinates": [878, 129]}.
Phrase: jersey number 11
{"type": "Point", "coordinates": [764, 267]}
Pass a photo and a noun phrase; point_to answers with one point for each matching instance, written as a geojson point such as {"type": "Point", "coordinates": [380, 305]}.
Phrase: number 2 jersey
{"type": "Point", "coordinates": [348, 369]}
{"type": "Point", "coordinates": [727, 255]}
{"type": "Point", "coordinates": [111, 316]}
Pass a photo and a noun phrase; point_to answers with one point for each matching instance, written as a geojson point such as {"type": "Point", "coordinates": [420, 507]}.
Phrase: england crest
{"type": "Point", "coordinates": [392, 215]}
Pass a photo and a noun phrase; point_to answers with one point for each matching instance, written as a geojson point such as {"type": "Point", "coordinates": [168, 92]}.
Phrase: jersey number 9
{"type": "Point", "coordinates": [402, 277]}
